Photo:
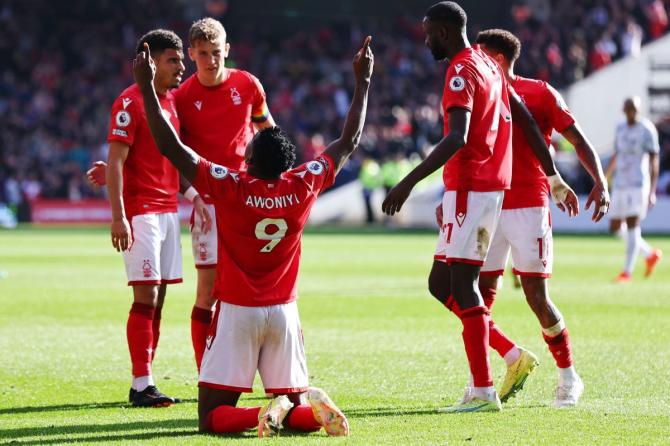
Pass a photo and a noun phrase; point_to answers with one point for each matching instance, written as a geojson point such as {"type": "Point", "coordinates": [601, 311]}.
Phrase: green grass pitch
{"type": "Point", "coordinates": [386, 352]}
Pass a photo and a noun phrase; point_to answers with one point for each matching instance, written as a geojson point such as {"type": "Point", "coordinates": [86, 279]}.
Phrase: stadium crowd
{"type": "Point", "coordinates": [59, 80]}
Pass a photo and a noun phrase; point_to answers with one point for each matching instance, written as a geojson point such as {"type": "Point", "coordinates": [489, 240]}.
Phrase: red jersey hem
{"type": "Point", "coordinates": [207, 266]}
{"type": "Point", "coordinates": [253, 303]}
{"type": "Point", "coordinates": [477, 189]}
{"type": "Point", "coordinates": [224, 387]}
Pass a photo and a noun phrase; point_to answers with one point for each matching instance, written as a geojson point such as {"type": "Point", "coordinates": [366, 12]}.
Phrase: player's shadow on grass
{"type": "Point", "coordinates": [101, 432]}
{"type": "Point", "coordinates": [82, 406]}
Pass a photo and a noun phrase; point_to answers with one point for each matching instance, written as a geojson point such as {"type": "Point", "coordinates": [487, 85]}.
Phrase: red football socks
{"type": "Point", "coordinates": [201, 319]}
{"type": "Point", "coordinates": [230, 419]}
{"type": "Point", "coordinates": [156, 329]}
{"type": "Point", "coordinates": [301, 418]}
{"type": "Point", "coordinates": [497, 339]}
{"type": "Point", "coordinates": [139, 332]}
{"type": "Point", "coordinates": [476, 339]}
{"type": "Point", "coordinates": [559, 346]}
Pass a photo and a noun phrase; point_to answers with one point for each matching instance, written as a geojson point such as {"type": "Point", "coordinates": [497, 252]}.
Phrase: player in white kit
{"type": "Point", "coordinates": [635, 166]}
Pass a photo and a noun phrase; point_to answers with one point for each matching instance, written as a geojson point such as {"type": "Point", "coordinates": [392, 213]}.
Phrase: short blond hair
{"type": "Point", "coordinates": [207, 30]}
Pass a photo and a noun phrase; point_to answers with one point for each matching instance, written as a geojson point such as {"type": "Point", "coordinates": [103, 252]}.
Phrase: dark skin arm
{"type": "Point", "coordinates": [459, 123]}
{"type": "Point", "coordinates": [165, 137]}
{"type": "Point", "coordinates": [199, 206]}
{"type": "Point", "coordinates": [531, 131]}
{"type": "Point", "coordinates": [588, 157]}
{"type": "Point", "coordinates": [340, 149]}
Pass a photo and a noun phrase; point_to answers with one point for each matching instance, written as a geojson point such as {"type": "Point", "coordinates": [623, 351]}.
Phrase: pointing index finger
{"type": "Point", "coordinates": [366, 43]}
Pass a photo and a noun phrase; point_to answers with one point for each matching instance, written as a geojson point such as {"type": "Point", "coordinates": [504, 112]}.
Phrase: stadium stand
{"type": "Point", "coordinates": [60, 78]}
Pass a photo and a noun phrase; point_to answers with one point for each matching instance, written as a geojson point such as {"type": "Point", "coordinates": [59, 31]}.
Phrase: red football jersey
{"type": "Point", "coordinates": [476, 82]}
{"type": "Point", "coordinates": [529, 182]}
{"type": "Point", "coordinates": [150, 181]}
{"type": "Point", "coordinates": [259, 224]}
{"type": "Point", "coordinates": [217, 122]}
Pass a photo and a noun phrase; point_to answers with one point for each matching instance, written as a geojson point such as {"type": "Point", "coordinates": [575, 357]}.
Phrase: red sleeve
{"type": "Point", "coordinates": [259, 108]}
{"type": "Point", "coordinates": [214, 180]}
{"type": "Point", "coordinates": [561, 118]}
{"type": "Point", "coordinates": [459, 88]}
{"type": "Point", "coordinates": [318, 174]}
{"type": "Point", "coordinates": [124, 118]}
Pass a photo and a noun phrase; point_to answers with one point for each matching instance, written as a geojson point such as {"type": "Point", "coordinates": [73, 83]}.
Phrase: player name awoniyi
{"type": "Point", "coordinates": [279, 202]}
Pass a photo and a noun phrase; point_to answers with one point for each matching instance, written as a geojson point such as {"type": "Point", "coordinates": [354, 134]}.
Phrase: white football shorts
{"type": "Point", "coordinates": [629, 202]}
{"type": "Point", "coordinates": [469, 220]}
{"type": "Point", "coordinates": [245, 339]}
{"type": "Point", "coordinates": [527, 233]}
{"type": "Point", "coordinates": [154, 257]}
{"type": "Point", "coordinates": [204, 245]}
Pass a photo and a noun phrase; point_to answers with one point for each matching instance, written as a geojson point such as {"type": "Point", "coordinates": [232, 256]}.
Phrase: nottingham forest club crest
{"type": "Point", "coordinates": [146, 268]}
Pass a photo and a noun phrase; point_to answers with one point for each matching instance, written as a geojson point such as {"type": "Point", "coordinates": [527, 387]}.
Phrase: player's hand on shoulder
{"type": "Point", "coordinates": [96, 174]}
{"type": "Point", "coordinates": [364, 61]}
{"type": "Point", "coordinates": [600, 199]}
{"type": "Point", "coordinates": [121, 235]}
{"type": "Point", "coordinates": [396, 198]}
{"type": "Point", "coordinates": [202, 210]}
{"type": "Point", "coordinates": [144, 68]}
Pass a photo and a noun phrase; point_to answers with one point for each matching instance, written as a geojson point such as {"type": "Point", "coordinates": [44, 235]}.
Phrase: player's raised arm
{"type": "Point", "coordinates": [340, 149]}
{"type": "Point", "coordinates": [167, 141]}
{"type": "Point", "coordinates": [459, 123]}
{"type": "Point", "coordinates": [564, 197]}
{"type": "Point", "coordinates": [590, 161]}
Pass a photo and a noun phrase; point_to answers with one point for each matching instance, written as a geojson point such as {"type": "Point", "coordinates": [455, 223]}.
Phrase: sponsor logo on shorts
{"type": "Point", "coordinates": [218, 172]}
{"type": "Point", "coordinates": [122, 118]}
{"type": "Point", "coordinates": [119, 132]}
{"type": "Point", "coordinates": [456, 83]}
{"type": "Point", "coordinates": [202, 251]}
{"type": "Point", "coordinates": [209, 341]}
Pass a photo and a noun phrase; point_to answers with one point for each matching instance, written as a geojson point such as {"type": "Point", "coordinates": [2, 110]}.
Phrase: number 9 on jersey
{"type": "Point", "coordinates": [275, 237]}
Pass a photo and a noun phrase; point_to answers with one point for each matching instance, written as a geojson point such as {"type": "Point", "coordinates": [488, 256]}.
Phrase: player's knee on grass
{"type": "Point", "coordinates": [439, 281]}
{"type": "Point", "coordinates": [209, 399]}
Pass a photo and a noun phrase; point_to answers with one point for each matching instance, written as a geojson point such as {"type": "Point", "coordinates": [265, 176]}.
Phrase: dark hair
{"type": "Point", "coordinates": [502, 41]}
{"type": "Point", "coordinates": [273, 151]}
{"type": "Point", "coordinates": [449, 12]}
{"type": "Point", "coordinates": [160, 40]}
